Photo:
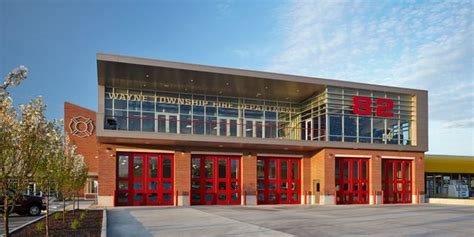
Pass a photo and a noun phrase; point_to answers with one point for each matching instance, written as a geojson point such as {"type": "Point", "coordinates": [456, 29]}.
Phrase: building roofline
{"type": "Point", "coordinates": [82, 107]}
{"type": "Point", "coordinates": [440, 156]}
{"type": "Point", "coordinates": [106, 57]}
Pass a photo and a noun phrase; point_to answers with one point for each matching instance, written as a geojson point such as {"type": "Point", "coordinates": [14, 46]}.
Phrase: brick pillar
{"type": "Point", "coordinates": [107, 175]}
{"type": "Point", "coordinates": [329, 188]}
{"type": "Point", "coordinates": [249, 179]}
{"type": "Point", "coordinates": [375, 179]}
{"type": "Point", "coordinates": [182, 177]}
{"type": "Point", "coordinates": [306, 183]}
{"type": "Point", "coordinates": [418, 174]}
{"type": "Point", "coordinates": [317, 174]}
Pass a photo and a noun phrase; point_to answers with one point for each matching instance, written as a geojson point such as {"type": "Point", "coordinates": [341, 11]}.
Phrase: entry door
{"type": "Point", "coordinates": [254, 128]}
{"type": "Point", "coordinates": [352, 182]}
{"type": "Point", "coordinates": [438, 185]}
{"type": "Point", "coordinates": [167, 123]}
{"type": "Point", "coordinates": [396, 181]}
{"type": "Point", "coordinates": [309, 129]}
{"type": "Point", "coordinates": [138, 180]}
{"type": "Point", "coordinates": [215, 180]}
{"type": "Point", "coordinates": [208, 181]}
{"type": "Point", "coordinates": [278, 181]}
{"type": "Point", "coordinates": [144, 179]}
{"type": "Point", "coordinates": [228, 127]}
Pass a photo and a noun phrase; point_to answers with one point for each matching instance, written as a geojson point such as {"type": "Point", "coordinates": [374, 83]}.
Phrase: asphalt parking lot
{"type": "Point", "coordinates": [16, 220]}
{"type": "Point", "coordinates": [353, 220]}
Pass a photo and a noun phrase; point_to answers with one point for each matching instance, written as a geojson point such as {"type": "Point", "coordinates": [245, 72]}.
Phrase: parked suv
{"type": "Point", "coordinates": [29, 205]}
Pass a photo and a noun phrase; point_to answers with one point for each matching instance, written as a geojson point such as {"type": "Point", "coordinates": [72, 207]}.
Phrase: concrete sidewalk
{"type": "Point", "coordinates": [58, 206]}
{"type": "Point", "coordinates": [295, 220]}
{"type": "Point", "coordinates": [159, 221]}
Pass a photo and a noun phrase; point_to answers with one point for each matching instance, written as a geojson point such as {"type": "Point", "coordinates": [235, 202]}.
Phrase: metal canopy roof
{"type": "Point", "coordinates": [140, 73]}
{"type": "Point", "coordinates": [449, 164]}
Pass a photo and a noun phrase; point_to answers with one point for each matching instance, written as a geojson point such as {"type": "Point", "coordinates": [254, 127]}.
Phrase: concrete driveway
{"type": "Point", "coordinates": [360, 220]}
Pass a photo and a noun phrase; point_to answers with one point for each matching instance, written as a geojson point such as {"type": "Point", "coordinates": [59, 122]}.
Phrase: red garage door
{"type": "Point", "coordinates": [396, 181]}
{"type": "Point", "coordinates": [144, 179]}
{"type": "Point", "coordinates": [215, 180]}
{"type": "Point", "coordinates": [352, 181]}
{"type": "Point", "coordinates": [278, 181]}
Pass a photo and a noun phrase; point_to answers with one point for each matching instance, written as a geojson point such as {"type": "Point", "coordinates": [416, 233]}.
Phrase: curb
{"type": "Point", "coordinates": [29, 223]}
{"type": "Point", "coordinates": [104, 223]}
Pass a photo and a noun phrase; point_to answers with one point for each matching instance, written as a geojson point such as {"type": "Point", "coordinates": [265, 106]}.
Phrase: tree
{"type": "Point", "coordinates": [49, 168]}
{"type": "Point", "coordinates": [73, 172]}
{"type": "Point", "coordinates": [23, 143]}
{"type": "Point", "coordinates": [61, 168]}
{"type": "Point", "coordinates": [79, 176]}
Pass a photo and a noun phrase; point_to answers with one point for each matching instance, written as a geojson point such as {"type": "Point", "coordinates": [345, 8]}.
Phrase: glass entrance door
{"type": "Point", "coordinates": [308, 129]}
{"type": "Point", "coordinates": [278, 181]}
{"type": "Point", "coordinates": [167, 123]}
{"type": "Point", "coordinates": [144, 179]}
{"type": "Point", "coordinates": [396, 181]}
{"type": "Point", "coordinates": [352, 181]}
{"type": "Point", "coordinates": [254, 128]}
{"type": "Point", "coordinates": [215, 180]}
{"type": "Point", "coordinates": [228, 127]}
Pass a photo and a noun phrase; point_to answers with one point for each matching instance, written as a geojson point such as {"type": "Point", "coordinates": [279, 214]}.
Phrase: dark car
{"type": "Point", "coordinates": [29, 205]}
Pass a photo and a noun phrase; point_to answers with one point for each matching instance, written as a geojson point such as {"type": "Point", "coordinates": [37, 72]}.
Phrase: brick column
{"type": "Point", "coordinates": [249, 178]}
{"type": "Point", "coordinates": [329, 188]}
{"type": "Point", "coordinates": [375, 179]}
{"type": "Point", "coordinates": [107, 175]}
{"type": "Point", "coordinates": [306, 182]}
{"type": "Point", "coordinates": [182, 177]}
{"type": "Point", "coordinates": [418, 176]}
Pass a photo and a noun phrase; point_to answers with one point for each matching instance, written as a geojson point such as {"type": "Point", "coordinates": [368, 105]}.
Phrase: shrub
{"type": "Point", "coordinates": [40, 226]}
{"type": "Point", "coordinates": [82, 215]}
{"type": "Point", "coordinates": [75, 224]}
{"type": "Point", "coordinates": [57, 215]}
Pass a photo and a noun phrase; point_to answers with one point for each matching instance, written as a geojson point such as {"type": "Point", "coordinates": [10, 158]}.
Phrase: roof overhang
{"type": "Point", "coordinates": [449, 164]}
{"type": "Point", "coordinates": [139, 73]}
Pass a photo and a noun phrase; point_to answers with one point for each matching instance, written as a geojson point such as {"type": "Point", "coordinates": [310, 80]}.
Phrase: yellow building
{"type": "Point", "coordinates": [443, 170]}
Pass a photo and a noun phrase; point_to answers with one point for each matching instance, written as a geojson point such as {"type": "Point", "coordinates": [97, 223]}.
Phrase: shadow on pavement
{"type": "Point", "coordinates": [120, 222]}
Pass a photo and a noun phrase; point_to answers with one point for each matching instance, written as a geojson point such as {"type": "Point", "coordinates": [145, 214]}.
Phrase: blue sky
{"type": "Point", "coordinates": [417, 44]}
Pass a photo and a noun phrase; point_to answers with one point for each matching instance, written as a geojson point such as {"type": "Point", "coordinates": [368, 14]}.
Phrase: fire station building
{"type": "Point", "coordinates": [169, 133]}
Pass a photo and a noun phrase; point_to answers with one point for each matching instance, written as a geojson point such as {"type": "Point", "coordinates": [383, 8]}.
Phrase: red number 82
{"type": "Point", "coordinates": [362, 106]}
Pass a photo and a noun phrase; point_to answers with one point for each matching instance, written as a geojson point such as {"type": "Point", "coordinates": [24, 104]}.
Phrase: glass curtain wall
{"type": "Point", "coordinates": [327, 116]}
{"type": "Point", "coordinates": [313, 118]}
{"type": "Point", "coordinates": [346, 126]}
{"type": "Point", "coordinates": [215, 117]}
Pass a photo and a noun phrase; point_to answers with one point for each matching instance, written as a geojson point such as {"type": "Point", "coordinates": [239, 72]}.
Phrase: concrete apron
{"type": "Point", "coordinates": [172, 221]}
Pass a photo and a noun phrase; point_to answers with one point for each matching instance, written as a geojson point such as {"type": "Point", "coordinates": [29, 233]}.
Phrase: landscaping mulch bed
{"type": "Point", "coordinates": [89, 226]}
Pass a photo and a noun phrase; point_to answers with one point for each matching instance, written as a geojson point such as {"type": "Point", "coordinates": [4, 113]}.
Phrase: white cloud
{"type": "Point", "coordinates": [408, 44]}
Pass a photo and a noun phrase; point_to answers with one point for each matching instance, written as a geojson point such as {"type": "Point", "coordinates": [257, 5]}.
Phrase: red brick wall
{"type": "Point", "coordinates": [306, 175]}
{"type": "Point", "coordinates": [182, 172]}
{"type": "Point", "coordinates": [318, 169]}
{"type": "Point", "coordinates": [375, 174]}
{"type": "Point", "coordinates": [107, 169]}
{"type": "Point", "coordinates": [86, 146]}
{"type": "Point", "coordinates": [418, 173]}
{"type": "Point", "coordinates": [249, 174]}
